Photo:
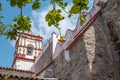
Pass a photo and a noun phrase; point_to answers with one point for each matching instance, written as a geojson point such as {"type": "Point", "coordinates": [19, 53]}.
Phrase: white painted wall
{"type": "Point", "coordinates": [36, 44]}
{"type": "Point", "coordinates": [24, 65]}
{"type": "Point", "coordinates": [27, 64]}
{"type": "Point", "coordinates": [67, 55]}
{"type": "Point", "coordinates": [30, 56]}
{"type": "Point", "coordinates": [28, 41]}
{"type": "Point", "coordinates": [33, 68]}
{"type": "Point", "coordinates": [55, 40]}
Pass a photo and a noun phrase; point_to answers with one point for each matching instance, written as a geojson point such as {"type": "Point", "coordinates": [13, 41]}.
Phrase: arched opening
{"type": "Point", "coordinates": [30, 49]}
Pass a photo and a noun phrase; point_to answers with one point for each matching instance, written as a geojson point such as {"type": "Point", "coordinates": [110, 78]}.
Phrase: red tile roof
{"type": "Point", "coordinates": [13, 69]}
{"type": "Point", "coordinates": [13, 77]}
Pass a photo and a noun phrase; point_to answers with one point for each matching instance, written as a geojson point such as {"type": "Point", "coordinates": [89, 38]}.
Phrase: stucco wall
{"type": "Point", "coordinates": [24, 65]}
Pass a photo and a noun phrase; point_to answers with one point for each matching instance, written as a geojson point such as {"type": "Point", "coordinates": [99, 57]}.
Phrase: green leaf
{"type": "Point", "coordinates": [28, 1]}
{"type": "Point", "coordinates": [58, 11]}
{"type": "Point", "coordinates": [50, 23]}
{"type": "Point", "coordinates": [65, 4]}
{"type": "Point", "coordinates": [76, 2]}
{"type": "Point", "coordinates": [19, 4]}
{"type": "Point", "coordinates": [53, 17]}
{"type": "Point", "coordinates": [50, 2]}
{"type": "Point", "coordinates": [70, 15]}
{"type": "Point", "coordinates": [75, 9]}
{"type": "Point", "coordinates": [13, 3]}
{"type": "Point", "coordinates": [22, 23]}
{"type": "Point", "coordinates": [1, 16]}
{"type": "Point", "coordinates": [36, 5]}
{"type": "Point", "coordinates": [1, 7]}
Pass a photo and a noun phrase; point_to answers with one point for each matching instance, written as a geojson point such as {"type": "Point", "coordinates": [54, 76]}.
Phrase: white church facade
{"type": "Point", "coordinates": [27, 48]}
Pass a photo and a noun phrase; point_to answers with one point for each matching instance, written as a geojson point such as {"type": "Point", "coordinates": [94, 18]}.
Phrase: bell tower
{"type": "Point", "coordinates": [28, 47]}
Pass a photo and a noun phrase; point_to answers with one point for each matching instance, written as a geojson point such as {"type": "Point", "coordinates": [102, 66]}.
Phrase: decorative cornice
{"type": "Point", "coordinates": [27, 34]}
{"type": "Point", "coordinates": [26, 47]}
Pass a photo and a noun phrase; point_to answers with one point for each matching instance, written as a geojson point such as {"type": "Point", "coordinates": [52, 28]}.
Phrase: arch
{"type": "Point", "coordinates": [30, 48]}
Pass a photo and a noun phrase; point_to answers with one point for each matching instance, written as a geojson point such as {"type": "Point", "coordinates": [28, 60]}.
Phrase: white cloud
{"type": "Point", "coordinates": [90, 4]}
{"type": "Point", "coordinates": [40, 26]}
{"type": "Point", "coordinates": [12, 42]}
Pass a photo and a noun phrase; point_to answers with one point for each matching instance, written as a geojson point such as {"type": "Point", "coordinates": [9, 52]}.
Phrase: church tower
{"type": "Point", "coordinates": [28, 47]}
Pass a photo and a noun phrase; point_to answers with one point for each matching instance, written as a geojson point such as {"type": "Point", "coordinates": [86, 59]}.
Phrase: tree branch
{"type": "Point", "coordinates": [21, 12]}
{"type": "Point", "coordinates": [60, 6]}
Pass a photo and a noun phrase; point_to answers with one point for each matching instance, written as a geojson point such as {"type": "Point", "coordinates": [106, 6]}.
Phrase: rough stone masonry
{"type": "Point", "coordinates": [96, 56]}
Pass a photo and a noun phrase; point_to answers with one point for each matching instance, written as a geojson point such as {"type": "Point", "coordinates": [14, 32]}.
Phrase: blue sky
{"type": "Point", "coordinates": [7, 46]}
{"type": "Point", "coordinates": [39, 26]}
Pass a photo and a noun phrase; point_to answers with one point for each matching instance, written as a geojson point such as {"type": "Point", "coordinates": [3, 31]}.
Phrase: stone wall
{"type": "Point", "coordinates": [95, 56]}
{"type": "Point", "coordinates": [49, 72]}
{"type": "Point", "coordinates": [44, 60]}
{"type": "Point", "coordinates": [111, 17]}
{"type": "Point", "coordinates": [89, 58]}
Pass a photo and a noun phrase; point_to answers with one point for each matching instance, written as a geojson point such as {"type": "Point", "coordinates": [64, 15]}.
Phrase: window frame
{"type": "Point", "coordinates": [30, 49]}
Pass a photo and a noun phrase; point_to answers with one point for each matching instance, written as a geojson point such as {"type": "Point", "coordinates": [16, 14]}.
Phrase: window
{"type": "Point", "coordinates": [29, 49]}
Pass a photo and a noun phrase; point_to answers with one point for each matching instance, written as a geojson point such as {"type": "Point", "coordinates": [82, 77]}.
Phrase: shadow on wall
{"type": "Point", "coordinates": [89, 58]}
{"type": "Point", "coordinates": [101, 65]}
{"type": "Point", "coordinates": [115, 39]}
{"type": "Point", "coordinates": [77, 68]}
